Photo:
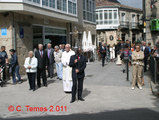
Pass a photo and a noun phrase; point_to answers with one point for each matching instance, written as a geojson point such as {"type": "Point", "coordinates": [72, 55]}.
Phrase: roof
{"type": "Point", "coordinates": [114, 3]}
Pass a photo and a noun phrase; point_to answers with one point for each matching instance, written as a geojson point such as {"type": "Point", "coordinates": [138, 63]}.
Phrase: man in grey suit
{"type": "Point", "coordinates": [50, 56]}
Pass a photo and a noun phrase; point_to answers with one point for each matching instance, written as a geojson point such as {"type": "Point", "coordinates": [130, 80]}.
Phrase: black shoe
{"type": "Point", "coordinates": [34, 89]}
{"type": "Point", "coordinates": [81, 99]}
{"type": "Point", "coordinates": [20, 82]}
{"type": "Point", "coordinates": [72, 101]}
{"type": "Point", "coordinates": [57, 77]}
{"type": "Point", "coordinates": [45, 85]}
{"type": "Point", "coordinates": [39, 86]}
{"type": "Point", "coordinates": [60, 79]}
{"type": "Point", "coordinates": [30, 89]}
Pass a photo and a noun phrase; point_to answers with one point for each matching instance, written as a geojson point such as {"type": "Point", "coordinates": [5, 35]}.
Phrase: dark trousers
{"type": "Point", "coordinates": [51, 70]}
{"type": "Point", "coordinates": [103, 61]}
{"type": "Point", "coordinates": [4, 74]}
{"type": "Point", "coordinates": [41, 72]}
{"type": "Point", "coordinates": [15, 72]}
{"type": "Point", "coordinates": [74, 88]}
{"type": "Point", "coordinates": [145, 64]}
{"type": "Point", "coordinates": [31, 78]}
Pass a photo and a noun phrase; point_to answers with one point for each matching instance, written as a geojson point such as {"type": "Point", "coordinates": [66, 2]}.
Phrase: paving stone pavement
{"type": "Point", "coordinates": [105, 91]}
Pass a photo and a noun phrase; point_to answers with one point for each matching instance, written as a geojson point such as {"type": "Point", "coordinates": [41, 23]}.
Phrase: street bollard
{"type": "Point", "coordinates": [127, 69]}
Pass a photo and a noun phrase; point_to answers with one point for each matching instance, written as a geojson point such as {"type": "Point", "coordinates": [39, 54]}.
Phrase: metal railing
{"type": "Point", "coordinates": [154, 68]}
{"type": "Point", "coordinates": [124, 24]}
{"type": "Point", "coordinates": [134, 25]}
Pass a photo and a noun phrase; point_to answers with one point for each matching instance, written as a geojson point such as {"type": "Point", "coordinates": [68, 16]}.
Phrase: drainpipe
{"type": "Point", "coordinates": [71, 34]}
{"type": "Point", "coordinates": [144, 19]}
{"type": "Point", "coordinates": [13, 33]}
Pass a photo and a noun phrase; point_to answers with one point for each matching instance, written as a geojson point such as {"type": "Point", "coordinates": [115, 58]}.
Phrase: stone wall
{"type": "Point", "coordinates": [23, 45]}
{"type": "Point", "coordinates": [151, 13]}
{"type": "Point", "coordinates": [26, 22]}
{"type": "Point", "coordinates": [6, 22]}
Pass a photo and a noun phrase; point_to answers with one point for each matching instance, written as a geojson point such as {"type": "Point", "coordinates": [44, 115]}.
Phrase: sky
{"type": "Point", "coordinates": [133, 3]}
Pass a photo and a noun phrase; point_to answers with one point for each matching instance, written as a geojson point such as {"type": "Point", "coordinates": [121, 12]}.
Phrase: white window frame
{"type": "Point", "coordinates": [123, 20]}
{"type": "Point", "coordinates": [113, 25]}
{"type": "Point", "coordinates": [54, 9]}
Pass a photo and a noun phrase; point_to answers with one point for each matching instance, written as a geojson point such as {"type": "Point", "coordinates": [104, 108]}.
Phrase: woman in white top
{"type": "Point", "coordinates": [31, 69]}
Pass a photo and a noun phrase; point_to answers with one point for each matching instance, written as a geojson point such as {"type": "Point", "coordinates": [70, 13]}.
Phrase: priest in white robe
{"type": "Point", "coordinates": [67, 70]}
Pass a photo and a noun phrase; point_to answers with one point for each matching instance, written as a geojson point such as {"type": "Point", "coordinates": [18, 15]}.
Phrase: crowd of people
{"type": "Point", "coordinates": [70, 64]}
{"type": "Point", "coordinates": [136, 54]}
{"type": "Point", "coordinates": [70, 67]}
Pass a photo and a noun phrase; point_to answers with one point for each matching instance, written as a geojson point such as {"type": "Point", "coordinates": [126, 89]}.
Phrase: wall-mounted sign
{"type": "Point", "coordinates": [21, 32]}
{"type": "Point", "coordinates": [3, 31]}
{"type": "Point", "coordinates": [47, 41]}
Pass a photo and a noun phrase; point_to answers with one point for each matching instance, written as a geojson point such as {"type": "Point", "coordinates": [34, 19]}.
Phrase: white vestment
{"type": "Point", "coordinates": [112, 52]}
{"type": "Point", "coordinates": [67, 70]}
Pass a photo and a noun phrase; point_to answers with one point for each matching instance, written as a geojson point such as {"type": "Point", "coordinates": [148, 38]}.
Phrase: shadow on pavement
{"type": "Point", "coordinates": [133, 114]}
{"type": "Point", "coordinates": [50, 81]}
{"type": "Point", "coordinates": [86, 92]}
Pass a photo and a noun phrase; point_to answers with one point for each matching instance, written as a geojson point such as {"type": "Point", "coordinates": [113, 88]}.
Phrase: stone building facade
{"type": "Point", "coordinates": [117, 22]}
{"type": "Point", "coordinates": [151, 12]}
{"type": "Point", "coordinates": [25, 23]}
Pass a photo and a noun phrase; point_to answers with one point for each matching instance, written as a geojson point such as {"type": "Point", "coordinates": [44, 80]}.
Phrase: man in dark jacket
{"type": "Point", "coordinates": [41, 55]}
{"type": "Point", "coordinates": [103, 53]}
{"type": "Point", "coordinates": [3, 53]}
{"type": "Point", "coordinates": [145, 49]}
{"type": "Point", "coordinates": [78, 64]}
{"type": "Point", "coordinates": [50, 58]}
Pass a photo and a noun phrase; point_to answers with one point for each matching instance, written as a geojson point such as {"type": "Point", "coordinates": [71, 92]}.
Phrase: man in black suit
{"type": "Point", "coordinates": [41, 55]}
{"type": "Point", "coordinates": [146, 51]}
{"type": "Point", "coordinates": [50, 58]}
{"type": "Point", "coordinates": [103, 53]}
{"type": "Point", "coordinates": [78, 64]}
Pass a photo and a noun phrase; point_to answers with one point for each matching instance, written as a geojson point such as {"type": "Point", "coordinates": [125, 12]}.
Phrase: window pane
{"type": "Point", "coordinates": [101, 15]}
{"type": "Point", "coordinates": [89, 8]}
{"type": "Point", "coordinates": [74, 8]}
{"type": "Point", "coordinates": [96, 15]}
{"type": "Point", "coordinates": [69, 6]}
{"type": "Point", "coordinates": [115, 14]}
{"type": "Point", "coordinates": [106, 15]}
{"type": "Point", "coordinates": [84, 15]}
{"type": "Point", "coordinates": [110, 14]}
{"type": "Point", "coordinates": [87, 5]}
{"type": "Point", "coordinates": [45, 2]}
{"type": "Point", "coordinates": [64, 5]}
{"type": "Point", "coordinates": [35, 1]}
{"type": "Point", "coordinates": [123, 17]}
{"type": "Point", "coordinates": [52, 3]}
{"type": "Point", "coordinates": [59, 4]}
{"type": "Point", "coordinates": [84, 7]}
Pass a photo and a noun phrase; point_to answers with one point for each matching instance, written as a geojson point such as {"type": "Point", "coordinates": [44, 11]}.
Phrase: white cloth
{"type": "Point", "coordinates": [119, 62]}
{"type": "Point", "coordinates": [67, 70]}
{"type": "Point", "coordinates": [33, 63]}
{"type": "Point", "coordinates": [143, 48]}
{"type": "Point", "coordinates": [112, 52]}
